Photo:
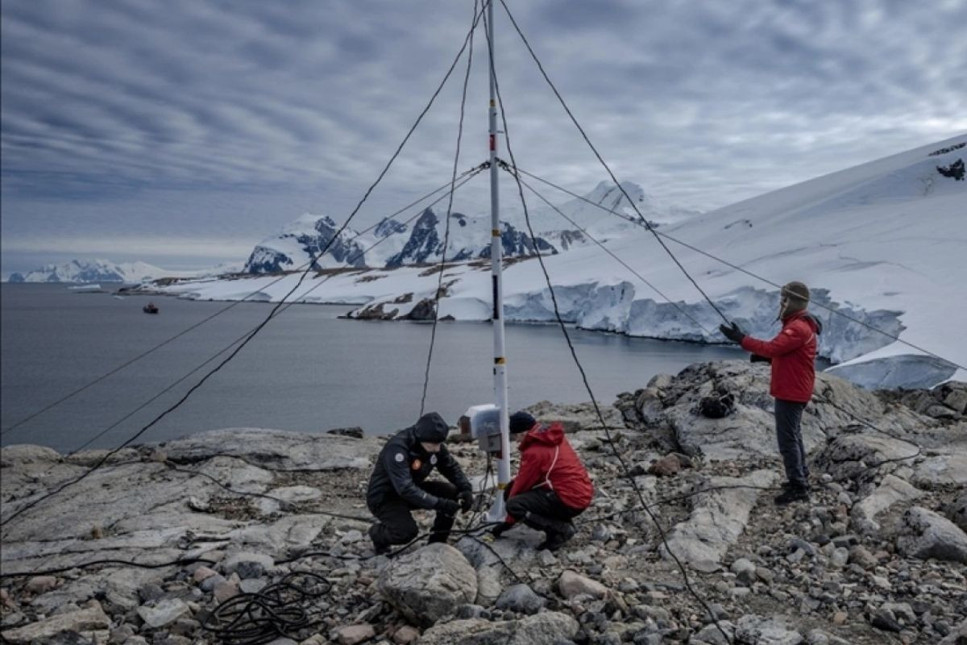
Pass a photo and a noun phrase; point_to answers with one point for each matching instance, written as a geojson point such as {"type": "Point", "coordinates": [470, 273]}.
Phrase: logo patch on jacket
{"type": "Point", "coordinates": [433, 459]}
{"type": "Point", "coordinates": [399, 457]}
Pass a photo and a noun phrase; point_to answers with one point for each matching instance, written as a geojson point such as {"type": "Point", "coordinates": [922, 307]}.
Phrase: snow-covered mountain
{"type": "Point", "coordinates": [390, 244]}
{"type": "Point", "coordinates": [602, 214]}
{"type": "Point", "coordinates": [881, 245]}
{"type": "Point", "coordinates": [96, 271]}
{"type": "Point", "coordinates": [89, 271]}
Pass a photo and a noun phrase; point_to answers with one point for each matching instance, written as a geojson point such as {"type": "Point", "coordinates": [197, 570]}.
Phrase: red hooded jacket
{"type": "Point", "coordinates": [793, 354]}
{"type": "Point", "coordinates": [548, 460]}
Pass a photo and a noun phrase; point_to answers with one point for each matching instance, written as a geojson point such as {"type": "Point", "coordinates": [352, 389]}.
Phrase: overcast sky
{"type": "Point", "coordinates": [183, 132]}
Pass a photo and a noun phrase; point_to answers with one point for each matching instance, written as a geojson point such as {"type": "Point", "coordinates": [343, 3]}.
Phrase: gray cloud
{"type": "Point", "coordinates": [203, 117]}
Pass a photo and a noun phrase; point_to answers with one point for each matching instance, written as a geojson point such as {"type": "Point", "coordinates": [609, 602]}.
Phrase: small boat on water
{"type": "Point", "coordinates": [150, 308]}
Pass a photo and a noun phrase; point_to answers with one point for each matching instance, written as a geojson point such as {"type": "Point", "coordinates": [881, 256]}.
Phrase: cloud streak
{"type": "Point", "coordinates": [198, 116]}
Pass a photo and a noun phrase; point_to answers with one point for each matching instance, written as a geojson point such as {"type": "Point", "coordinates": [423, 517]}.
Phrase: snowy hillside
{"type": "Point", "coordinates": [881, 245]}
{"type": "Point", "coordinates": [604, 213]}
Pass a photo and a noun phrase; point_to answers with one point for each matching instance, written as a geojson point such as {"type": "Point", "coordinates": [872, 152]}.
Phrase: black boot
{"type": "Point", "coordinates": [381, 548]}
{"type": "Point", "coordinates": [557, 536]}
{"type": "Point", "coordinates": [440, 532]}
{"type": "Point", "coordinates": [792, 493]}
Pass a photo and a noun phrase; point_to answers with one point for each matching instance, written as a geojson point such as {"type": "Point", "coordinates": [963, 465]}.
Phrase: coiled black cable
{"type": "Point", "coordinates": [277, 610]}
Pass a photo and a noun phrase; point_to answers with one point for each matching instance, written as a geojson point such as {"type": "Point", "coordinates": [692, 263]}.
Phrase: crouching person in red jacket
{"type": "Point", "coordinates": [552, 485]}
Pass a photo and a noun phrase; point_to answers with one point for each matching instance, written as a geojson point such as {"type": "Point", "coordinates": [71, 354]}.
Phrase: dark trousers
{"type": "Point", "coordinates": [542, 509]}
{"type": "Point", "coordinates": [396, 524]}
{"type": "Point", "coordinates": [789, 436]}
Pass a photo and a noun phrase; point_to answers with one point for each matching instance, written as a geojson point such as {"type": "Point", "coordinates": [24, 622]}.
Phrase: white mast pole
{"type": "Point", "coordinates": [497, 511]}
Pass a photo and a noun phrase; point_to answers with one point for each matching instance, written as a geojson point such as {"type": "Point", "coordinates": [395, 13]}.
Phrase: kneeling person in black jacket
{"type": "Point", "coordinates": [398, 484]}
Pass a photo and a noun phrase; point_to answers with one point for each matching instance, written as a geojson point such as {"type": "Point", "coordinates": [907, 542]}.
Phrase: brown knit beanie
{"type": "Point", "coordinates": [796, 296]}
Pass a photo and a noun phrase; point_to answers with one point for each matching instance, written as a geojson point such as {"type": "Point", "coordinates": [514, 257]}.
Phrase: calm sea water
{"type": "Point", "coordinates": [307, 370]}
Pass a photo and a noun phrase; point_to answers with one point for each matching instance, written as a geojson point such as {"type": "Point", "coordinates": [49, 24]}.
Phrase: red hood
{"type": "Point", "coordinates": [812, 321]}
{"type": "Point", "coordinates": [551, 435]}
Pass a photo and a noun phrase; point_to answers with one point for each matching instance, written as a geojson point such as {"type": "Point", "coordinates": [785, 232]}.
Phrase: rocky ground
{"type": "Point", "coordinates": [251, 536]}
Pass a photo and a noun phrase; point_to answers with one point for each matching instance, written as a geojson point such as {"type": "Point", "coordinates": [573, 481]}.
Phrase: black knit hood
{"type": "Point", "coordinates": [431, 428]}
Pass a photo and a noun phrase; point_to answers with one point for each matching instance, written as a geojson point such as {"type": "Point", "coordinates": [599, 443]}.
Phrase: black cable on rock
{"type": "Point", "coordinates": [825, 398]}
{"type": "Point", "coordinates": [278, 610]}
{"type": "Point", "coordinates": [93, 563]}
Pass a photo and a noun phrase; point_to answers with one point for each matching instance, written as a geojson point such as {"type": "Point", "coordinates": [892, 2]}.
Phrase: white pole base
{"type": "Point", "coordinates": [498, 511]}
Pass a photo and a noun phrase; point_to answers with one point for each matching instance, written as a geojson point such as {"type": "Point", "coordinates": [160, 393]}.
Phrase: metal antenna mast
{"type": "Point", "coordinates": [497, 511]}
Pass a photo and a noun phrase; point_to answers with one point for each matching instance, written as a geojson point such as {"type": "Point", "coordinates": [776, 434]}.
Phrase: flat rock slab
{"type": "Point", "coordinates": [942, 470]}
{"type": "Point", "coordinates": [890, 492]}
{"type": "Point", "coordinates": [276, 449]}
{"type": "Point", "coordinates": [87, 620]}
{"type": "Point", "coordinates": [717, 519]}
{"type": "Point", "coordinates": [155, 509]}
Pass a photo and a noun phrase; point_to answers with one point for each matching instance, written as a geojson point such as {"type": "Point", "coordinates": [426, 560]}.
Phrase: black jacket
{"type": "Point", "coordinates": [401, 466]}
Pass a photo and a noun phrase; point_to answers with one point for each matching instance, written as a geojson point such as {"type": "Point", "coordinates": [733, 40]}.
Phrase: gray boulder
{"type": "Point", "coordinates": [572, 584]}
{"type": "Point", "coordinates": [925, 534]}
{"type": "Point", "coordinates": [545, 628]}
{"type": "Point", "coordinates": [850, 456]}
{"type": "Point", "coordinates": [163, 612]}
{"type": "Point", "coordinates": [956, 511]}
{"type": "Point", "coordinates": [765, 631]}
{"type": "Point", "coordinates": [521, 599]}
{"type": "Point", "coordinates": [957, 636]}
{"type": "Point", "coordinates": [429, 583]}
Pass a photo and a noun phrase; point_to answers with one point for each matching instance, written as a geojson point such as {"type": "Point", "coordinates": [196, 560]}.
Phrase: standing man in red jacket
{"type": "Point", "coordinates": [552, 486]}
{"type": "Point", "coordinates": [792, 354]}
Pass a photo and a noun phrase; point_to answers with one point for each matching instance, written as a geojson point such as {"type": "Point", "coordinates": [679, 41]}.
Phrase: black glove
{"type": "Point", "coordinates": [498, 530]}
{"type": "Point", "coordinates": [466, 500]}
{"type": "Point", "coordinates": [733, 333]}
{"type": "Point", "coordinates": [447, 506]}
{"type": "Point", "coordinates": [755, 358]}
